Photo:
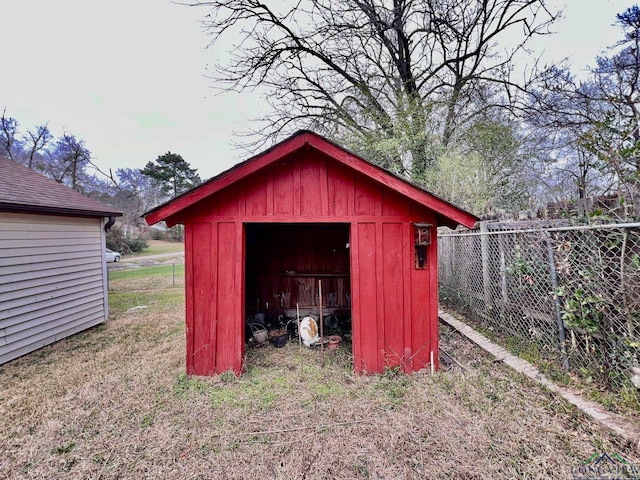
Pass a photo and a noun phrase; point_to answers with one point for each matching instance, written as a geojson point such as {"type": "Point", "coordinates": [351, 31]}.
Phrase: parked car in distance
{"type": "Point", "coordinates": [111, 256]}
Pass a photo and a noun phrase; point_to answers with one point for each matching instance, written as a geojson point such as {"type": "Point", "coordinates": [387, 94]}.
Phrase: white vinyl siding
{"type": "Point", "coordinates": [52, 280]}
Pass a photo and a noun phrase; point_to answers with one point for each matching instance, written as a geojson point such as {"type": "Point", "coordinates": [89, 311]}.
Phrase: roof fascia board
{"type": "Point", "coordinates": [440, 206]}
{"type": "Point", "coordinates": [39, 209]}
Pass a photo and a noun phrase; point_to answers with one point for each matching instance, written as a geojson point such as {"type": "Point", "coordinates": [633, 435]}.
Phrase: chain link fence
{"type": "Point", "coordinates": [566, 296]}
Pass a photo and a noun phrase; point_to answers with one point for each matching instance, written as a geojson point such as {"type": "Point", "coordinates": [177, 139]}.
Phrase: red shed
{"type": "Point", "coordinates": [263, 234]}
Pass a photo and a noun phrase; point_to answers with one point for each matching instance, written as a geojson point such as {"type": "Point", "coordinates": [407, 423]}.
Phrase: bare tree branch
{"type": "Point", "coordinates": [8, 129]}
{"type": "Point", "coordinates": [364, 67]}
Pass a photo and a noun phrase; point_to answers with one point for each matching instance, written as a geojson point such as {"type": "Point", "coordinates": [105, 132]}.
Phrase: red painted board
{"type": "Point", "coordinates": [394, 204]}
{"type": "Point", "coordinates": [367, 197]}
{"type": "Point", "coordinates": [393, 293]}
{"type": "Point", "coordinates": [312, 173]}
{"type": "Point", "coordinates": [283, 191]}
{"type": "Point", "coordinates": [368, 300]}
{"type": "Point", "coordinates": [239, 311]}
{"type": "Point", "coordinates": [188, 285]}
{"type": "Point", "coordinates": [340, 190]}
{"type": "Point", "coordinates": [255, 188]}
{"type": "Point", "coordinates": [420, 316]}
{"type": "Point", "coordinates": [203, 302]}
{"type": "Point", "coordinates": [228, 202]}
{"type": "Point", "coordinates": [356, 324]}
{"type": "Point", "coordinates": [228, 295]}
{"type": "Point", "coordinates": [407, 266]}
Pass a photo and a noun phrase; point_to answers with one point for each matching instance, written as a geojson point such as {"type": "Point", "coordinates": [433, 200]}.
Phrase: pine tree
{"type": "Point", "coordinates": [173, 174]}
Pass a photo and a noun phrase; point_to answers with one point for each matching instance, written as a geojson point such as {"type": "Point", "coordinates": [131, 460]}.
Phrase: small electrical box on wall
{"type": "Point", "coordinates": [422, 239]}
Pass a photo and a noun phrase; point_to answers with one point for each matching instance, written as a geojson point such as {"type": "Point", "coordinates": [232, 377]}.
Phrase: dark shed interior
{"type": "Point", "coordinates": [284, 266]}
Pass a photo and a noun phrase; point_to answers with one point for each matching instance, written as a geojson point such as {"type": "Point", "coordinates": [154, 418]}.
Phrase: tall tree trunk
{"type": "Point", "coordinates": [450, 121]}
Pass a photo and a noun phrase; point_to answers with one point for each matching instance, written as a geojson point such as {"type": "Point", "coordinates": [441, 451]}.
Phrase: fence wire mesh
{"type": "Point", "coordinates": [567, 296]}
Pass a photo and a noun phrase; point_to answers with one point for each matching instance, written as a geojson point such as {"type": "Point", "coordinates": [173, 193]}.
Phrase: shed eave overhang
{"type": "Point", "coordinates": [50, 210]}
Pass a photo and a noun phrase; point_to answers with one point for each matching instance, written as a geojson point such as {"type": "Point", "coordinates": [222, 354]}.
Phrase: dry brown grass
{"type": "Point", "coordinates": [114, 402]}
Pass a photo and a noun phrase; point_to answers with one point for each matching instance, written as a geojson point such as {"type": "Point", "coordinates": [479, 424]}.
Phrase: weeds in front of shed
{"type": "Point", "coordinates": [393, 383]}
{"type": "Point", "coordinates": [185, 385]}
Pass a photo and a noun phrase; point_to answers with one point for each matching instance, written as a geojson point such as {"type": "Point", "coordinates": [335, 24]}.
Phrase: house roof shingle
{"type": "Point", "coordinates": [23, 190]}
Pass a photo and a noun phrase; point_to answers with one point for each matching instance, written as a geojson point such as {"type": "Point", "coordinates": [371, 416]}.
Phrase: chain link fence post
{"type": "Point", "coordinates": [556, 301]}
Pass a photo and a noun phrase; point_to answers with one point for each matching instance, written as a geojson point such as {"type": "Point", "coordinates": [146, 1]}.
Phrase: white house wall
{"type": "Point", "coordinates": [52, 280]}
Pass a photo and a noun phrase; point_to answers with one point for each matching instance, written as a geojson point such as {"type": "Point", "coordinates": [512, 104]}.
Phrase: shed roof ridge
{"type": "Point", "coordinates": [296, 141]}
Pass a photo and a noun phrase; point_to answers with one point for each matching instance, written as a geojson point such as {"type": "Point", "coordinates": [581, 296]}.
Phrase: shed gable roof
{"type": "Point", "coordinates": [446, 213]}
{"type": "Point", "coordinates": [23, 190]}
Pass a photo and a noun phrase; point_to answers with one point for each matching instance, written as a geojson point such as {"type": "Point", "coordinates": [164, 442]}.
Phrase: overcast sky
{"type": "Point", "coordinates": [130, 76]}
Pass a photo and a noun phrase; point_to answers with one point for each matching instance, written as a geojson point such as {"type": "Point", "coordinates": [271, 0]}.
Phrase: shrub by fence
{"type": "Point", "coordinates": [566, 295]}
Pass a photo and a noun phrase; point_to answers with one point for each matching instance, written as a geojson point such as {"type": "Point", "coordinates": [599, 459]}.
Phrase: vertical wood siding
{"type": "Point", "coordinates": [203, 335]}
{"type": "Point", "coordinates": [228, 323]}
{"type": "Point", "coordinates": [394, 306]}
{"type": "Point", "coordinates": [51, 280]}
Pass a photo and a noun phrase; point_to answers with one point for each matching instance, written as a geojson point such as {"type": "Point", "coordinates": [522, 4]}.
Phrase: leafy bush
{"type": "Point", "coordinates": [176, 233]}
{"type": "Point", "coordinates": [125, 243]}
{"type": "Point", "coordinates": [157, 234]}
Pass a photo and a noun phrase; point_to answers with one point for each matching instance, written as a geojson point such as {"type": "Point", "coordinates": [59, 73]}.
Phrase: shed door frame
{"type": "Point", "coordinates": [346, 226]}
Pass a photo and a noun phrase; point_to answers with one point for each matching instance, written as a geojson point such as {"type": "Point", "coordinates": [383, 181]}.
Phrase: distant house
{"type": "Point", "coordinates": [53, 275]}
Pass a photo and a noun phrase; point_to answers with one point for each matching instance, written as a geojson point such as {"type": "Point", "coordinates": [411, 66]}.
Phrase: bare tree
{"type": "Point", "coordinates": [68, 161]}
{"type": "Point", "coordinates": [136, 193]}
{"type": "Point", "coordinates": [36, 141]}
{"type": "Point", "coordinates": [8, 130]}
{"type": "Point", "coordinates": [594, 125]}
{"type": "Point", "coordinates": [396, 75]}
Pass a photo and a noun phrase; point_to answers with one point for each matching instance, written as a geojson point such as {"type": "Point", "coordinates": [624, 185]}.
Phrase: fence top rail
{"type": "Point", "coordinates": [541, 229]}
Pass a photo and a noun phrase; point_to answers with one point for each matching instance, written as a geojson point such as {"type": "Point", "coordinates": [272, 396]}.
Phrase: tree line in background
{"type": "Point", "coordinates": [67, 160]}
{"type": "Point", "coordinates": [443, 92]}
{"type": "Point", "coordinates": [588, 131]}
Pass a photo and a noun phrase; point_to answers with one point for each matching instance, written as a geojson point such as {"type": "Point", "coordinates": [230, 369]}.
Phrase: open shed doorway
{"type": "Point", "coordinates": [284, 266]}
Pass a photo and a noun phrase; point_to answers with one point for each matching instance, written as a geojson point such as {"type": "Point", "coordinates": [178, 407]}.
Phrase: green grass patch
{"type": "Point", "coordinates": [184, 385]}
{"type": "Point", "coordinates": [162, 277]}
{"type": "Point", "coordinates": [66, 448]}
{"type": "Point", "coordinates": [625, 400]}
{"type": "Point", "coordinates": [122, 301]}
{"type": "Point", "coordinates": [159, 246]}
{"type": "Point", "coordinates": [147, 272]}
